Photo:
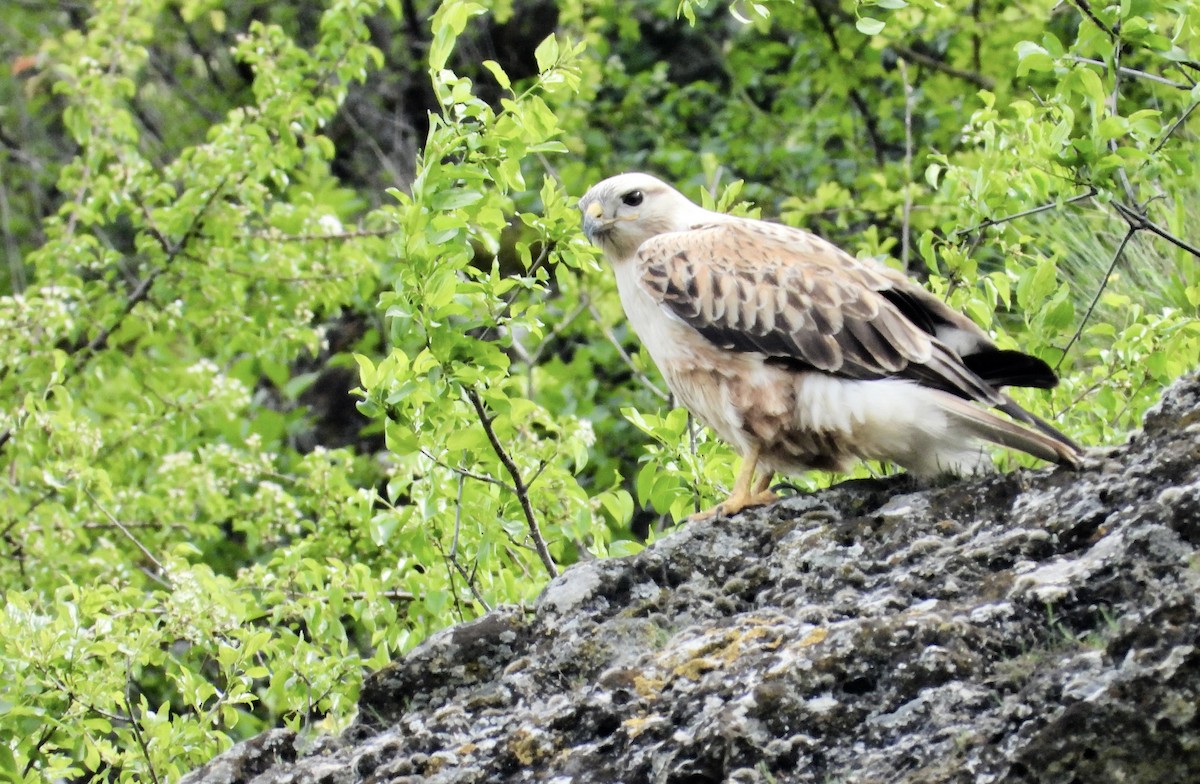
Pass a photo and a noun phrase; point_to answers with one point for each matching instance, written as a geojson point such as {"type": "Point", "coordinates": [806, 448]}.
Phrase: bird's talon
{"type": "Point", "coordinates": [732, 505]}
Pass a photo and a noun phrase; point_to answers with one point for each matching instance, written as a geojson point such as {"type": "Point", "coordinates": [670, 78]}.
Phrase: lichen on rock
{"type": "Point", "coordinates": [1035, 626]}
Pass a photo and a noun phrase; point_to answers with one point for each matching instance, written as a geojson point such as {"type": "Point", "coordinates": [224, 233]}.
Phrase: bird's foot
{"type": "Point", "coordinates": [736, 503]}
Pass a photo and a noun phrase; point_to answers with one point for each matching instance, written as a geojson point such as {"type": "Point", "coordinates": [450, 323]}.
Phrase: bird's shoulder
{"type": "Point", "coordinates": [770, 254]}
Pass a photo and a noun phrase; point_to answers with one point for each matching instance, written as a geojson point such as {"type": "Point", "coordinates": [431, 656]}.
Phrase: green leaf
{"type": "Point", "coordinates": [498, 73]}
{"type": "Point", "coordinates": [546, 54]}
{"type": "Point", "coordinates": [366, 370]}
{"type": "Point", "coordinates": [625, 547]}
{"type": "Point", "coordinates": [400, 438]}
{"type": "Point", "coordinates": [454, 198]}
{"type": "Point", "coordinates": [1092, 87]}
{"type": "Point", "coordinates": [869, 26]}
{"type": "Point", "coordinates": [448, 23]}
{"type": "Point", "coordinates": [932, 171]}
{"type": "Point", "coordinates": [1032, 57]}
{"type": "Point", "coordinates": [1035, 284]}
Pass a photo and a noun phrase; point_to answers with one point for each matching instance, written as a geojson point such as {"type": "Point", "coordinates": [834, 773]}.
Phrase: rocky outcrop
{"type": "Point", "coordinates": [1036, 626]}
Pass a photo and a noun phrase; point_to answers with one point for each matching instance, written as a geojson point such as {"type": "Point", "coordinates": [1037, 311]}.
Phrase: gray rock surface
{"type": "Point", "coordinates": [1039, 626]}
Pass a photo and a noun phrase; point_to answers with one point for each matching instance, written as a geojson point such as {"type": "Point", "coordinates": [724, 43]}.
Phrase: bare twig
{"type": "Point", "coordinates": [691, 428]}
{"type": "Point", "coordinates": [1103, 284]}
{"type": "Point", "coordinates": [519, 485]}
{"type": "Point", "coordinates": [164, 582]}
{"type": "Point", "coordinates": [457, 516]}
{"type": "Point", "coordinates": [1135, 73]}
{"type": "Point", "coordinates": [47, 733]}
{"type": "Point", "coordinates": [1085, 8]}
{"type": "Point", "coordinates": [453, 554]}
{"type": "Point", "coordinates": [920, 58]}
{"type": "Point", "coordinates": [549, 168]}
{"type": "Point", "coordinates": [1138, 221]}
{"type": "Point", "coordinates": [399, 596]}
{"type": "Point", "coordinates": [906, 224]}
{"type": "Point", "coordinates": [1082, 395]}
{"type": "Point", "coordinates": [463, 472]}
{"type": "Point", "coordinates": [393, 174]}
{"type": "Point", "coordinates": [860, 104]}
{"type": "Point", "coordinates": [1126, 185]}
{"type": "Point", "coordinates": [1089, 193]}
{"type": "Point", "coordinates": [451, 564]}
{"type": "Point", "coordinates": [141, 741]}
{"type": "Point", "coordinates": [1180, 120]}
{"type": "Point", "coordinates": [330, 237]}
{"type": "Point", "coordinates": [628, 360]}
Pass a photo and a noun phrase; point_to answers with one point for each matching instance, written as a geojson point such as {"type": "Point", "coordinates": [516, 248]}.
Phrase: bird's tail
{"type": "Point", "coordinates": [1045, 442]}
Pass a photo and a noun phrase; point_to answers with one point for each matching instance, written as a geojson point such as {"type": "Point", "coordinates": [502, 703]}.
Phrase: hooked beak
{"type": "Point", "coordinates": [593, 224]}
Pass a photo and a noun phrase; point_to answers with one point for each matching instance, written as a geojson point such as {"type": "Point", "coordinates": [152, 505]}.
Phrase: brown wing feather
{"type": "Point", "coordinates": [794, 297]}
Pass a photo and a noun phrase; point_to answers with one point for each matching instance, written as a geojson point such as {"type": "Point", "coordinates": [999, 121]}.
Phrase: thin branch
{"type": "Point", "coordinates": [860, 104]}
{"type": "Point", "coordinates": [448, 562]}
{"type": "Point", "coordinates": [538, 471]}
{"type": "Point", "coordinates": [400, 596]}
{"type": "Point", "coordinates": [906, 223]}
{"type": "Point", "coordinates": [453, 554]}
{"type": "Point", "coordinates": [137, 734]}
{"type": "Point", "coordinates": [1126, 71]}
{"type": "Point", "coordinates": [531, 360]}
{"type": "Point", "coordinates": [1137, 221]}
{"type": "Point", "coordinates": [1089, 193]}
{"type": "Point", "coordinates": [920, 58]}
{"type": "Point", "coordinates": [462, 472]}
{"type": "Point", "coordinates": [211, 72]}
{"type": "Point", "coordinates": [549, 168]}
{"type": "Point", "coordinates": [335, 235]}
{"type": "Point", "coordinates": [691, 428]}
{"type": "Point", "coordinates": [139, 295]}
{"type": "Point", "coordinates": [1103, 284]}
{"type": "Point", "coordinates": [1082, 395]}
{"type": "Point", "coordinates": [628, 360]}
{"type": "Point", "coordinates": [519, 485]}
{"type": "Point", "coordinates": [489, 333]}
{"type": "Point", "coordinates": [1126, 185]}
{"type": "Point", "coordinates": [457, 516]}
{"type": "Point", "coordinates": [1085, 8]}
{"type": "Point", "coordinates": [47, 733]}
{"type": "Point", "coordinates": [165, 583]}
{"type": "Point", "coordinates": [361, 133]}
{"type": "Point", "coordinates": [1180, 120]}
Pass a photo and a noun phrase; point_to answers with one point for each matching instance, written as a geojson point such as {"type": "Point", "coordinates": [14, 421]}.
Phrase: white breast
{"type": "Point", "coordinates": [697, 372]}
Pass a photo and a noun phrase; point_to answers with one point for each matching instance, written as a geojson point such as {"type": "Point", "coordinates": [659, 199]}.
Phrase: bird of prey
{"type": "Point", "coordinates": [801, 356]}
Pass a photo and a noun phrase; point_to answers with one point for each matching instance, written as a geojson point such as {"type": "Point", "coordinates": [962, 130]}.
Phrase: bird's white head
{"type": "Point", "coordinates": [622, 212]}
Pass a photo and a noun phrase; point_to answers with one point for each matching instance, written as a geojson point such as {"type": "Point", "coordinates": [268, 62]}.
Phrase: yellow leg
{"type": "Point", "coordinates": [746, 491]}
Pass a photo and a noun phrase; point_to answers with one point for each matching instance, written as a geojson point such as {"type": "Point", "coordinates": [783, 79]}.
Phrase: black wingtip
{"type": "Point", "coordinates": [1006, 368]}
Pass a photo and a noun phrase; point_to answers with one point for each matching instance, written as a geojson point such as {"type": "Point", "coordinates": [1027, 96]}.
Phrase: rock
{"type": "Point", "coordinates": [1035, 626]}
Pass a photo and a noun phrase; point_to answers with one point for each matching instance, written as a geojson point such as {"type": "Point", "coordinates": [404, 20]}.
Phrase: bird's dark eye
{"type": "Point", "coordinates": [632, 199]}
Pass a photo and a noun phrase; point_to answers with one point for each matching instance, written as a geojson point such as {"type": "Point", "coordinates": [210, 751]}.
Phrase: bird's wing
{"type": "Point", "coordinates": [753, 286]}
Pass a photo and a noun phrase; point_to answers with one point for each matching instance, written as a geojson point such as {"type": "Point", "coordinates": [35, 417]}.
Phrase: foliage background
{"type": "Point", "coordinates": [304, 356]}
